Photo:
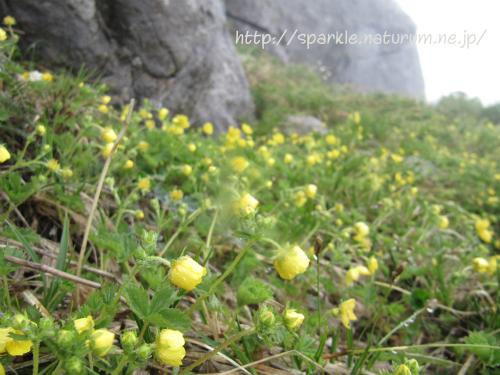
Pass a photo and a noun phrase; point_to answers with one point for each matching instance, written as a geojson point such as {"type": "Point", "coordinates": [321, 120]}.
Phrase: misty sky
{"type": "Point", "coordinates": [449, 68]}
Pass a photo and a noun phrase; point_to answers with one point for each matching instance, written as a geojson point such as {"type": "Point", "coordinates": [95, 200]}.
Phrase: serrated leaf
{"type": "Point", "coordinates": [419, 298]}
{"type": "Point", "coordinates": [15, 190]}
{"type": "Point", "coordinates": [242, 235]}
{"type": "Point", "coordinates": [107, 293]}
{"type": "Point", "coordinates": [122, 245]}
{"type": "Point", "coordinates": [206, 283]}
{"type": "Point", "coordinates": [8, 267]}
{"type": "Point", "coordinates": [215, 305]}
{"type": "Point", "coordinates": [486, 354]}
{"type": "Point", "coordinates": [29, 234]}
{"type": "Point", "coordinates": [157, 320]}
{"type": "Point", "coordinates": [176, 319]}
{"type": "Point", "coordinates": [253, 291]}
{"type": "Point", "coordinates": [163, 298]}
{"type": "Point", "coordinates": [138, 300]}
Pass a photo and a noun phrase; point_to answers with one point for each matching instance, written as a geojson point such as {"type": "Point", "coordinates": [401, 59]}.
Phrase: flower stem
{"type": "Point", "coordinates": [143, 331]}
{"type": "Point", "coordinates": [238, 309]}
{"type": "Point", "coordinates": [36, 351]}
{"type": "Point", "coordinates": [7, 294]}
{"type": "Point", "coordinates": [218, 349]}
{"type": "Point", "coordinates": [224, 275]}
{"type": "Point", "coordinates": [120, 366]}
{"type": "Point", "coordinates": [179, 230]}
{"type": "Point", "coordinates": [272, 242]}
{"type": "Point", "coordinates": [58, 369]}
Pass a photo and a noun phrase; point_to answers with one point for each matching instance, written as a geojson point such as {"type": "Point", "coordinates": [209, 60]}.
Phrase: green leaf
{"type": "Point", "coordinates": [29, 234]}
{"type": "Point", "coordinates": [163, 298]}
{"type": "Point", "coordinates": [215, 305]}
{"type": "Point", "coordinates": [157, 320]}
{"type": "Point", "coordinates": [176, 319]}
{"type": "Point", "coordinates": [419, 298]}
{"type": "Point", "coordinates": [122, 245]}
{"type": "Point", "coordinates": [253, 291]}
{"type": "Point", "coordinates": [242, 235]}
{"type": "Point", "coordinates": [30, 251]}
{"type": "Point", "coordinates": [138, 300]}
{"type": "Point", "coordinates": [490, 357]}
{"type": "Point", "coordinates": [8, 267]}
{"type": "Point", "coordinates": [15, 190]}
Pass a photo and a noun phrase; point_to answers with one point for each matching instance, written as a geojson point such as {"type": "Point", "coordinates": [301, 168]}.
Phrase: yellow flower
{"type": "Point", "coordinates": [212, 169]}
{"type": "Point", "coordinates": [163, 113]}
{"type": "Point", "coordinates": [208, 128]}
{"type": "Point", "coordinates": [150, 124]}
{"type": "Point", "coordinates": [330, 139]}
{"type": "Point", "coordinates": [12, 346]}
{"type": "Point", "coordinates": [311, 160]}
{"type": "Point", "coordinates": [105, 99]}
{"type": "Point", "coordinates": [271, 162]}
{"type": "Point", "coordinates": [143, 146]}
{"type": "Point", "coordinates": [3, 36]}
{"type": "Point", "coordinates": [247, 129]}
{"type": "Point", "coordinates": [143, 113]}
{"type": "Point", "coordinates": [443, 222]}
{"type": "Point", "coordinates": [347, 312]}
{"type": "Point", "coordinates": [177, 195]}
{"type": "Point", "coordinates": [279, 138]}
{"type": "Point", "coordinates": [182, 121]}
{"type": "Point", "coordinates": [361, 230]}
{"type": "Point", "coordinates": [482, 224]}
{"type": "Point", "coordinates": [128, 164]}
{"type": "Point", "coordinates": [53, 165]}
{"type": "Point", "coordinates": [2, 369]}
{"type": "Point", "coordinates": [291, 262]}
{"type": "Point", "coordinates": [372, 265]}
{"type": "Point", "coordinates": [481, 265]}
{"type": "Point", "coordinates": [66, 173]}
{"type": "Point", "coordinates": [268, 184]}
{"type": "Point", "coordinates": [145, 184]}
{"type": "Point", "coordinates": [344, 149]}
{"type": "Point", "coordinates": [186, 273]}
{"type": "Point", "coordinates": [300, 198]}
{"type": "Point", "coordinates": [293, 319]}
{"type": "Point", "coordinates": [414, 191]}
{"type": "Point", "coordinates": [139, 214]}
{"type": "Point", "coordinates": [40, 130]}
{"type": "Point", "coordinates": [84, 323]}
{"type": "Point", "coordinates": [397, 158]}
{"type": "Point", "coordinates": [357, 117]}
{"type": "Point", "coordinates": [192, 147]}
{"type": "Point", "coordinates": [107, 149]}
{"type": "Point", "coordinates": [47, 77]}
{"type": "Point", "coordinates": [109, 135]}
{"type": "Point", "coordinates": [103, 108]}
{"type": "Point", "coordinates": [353, 274]}
{"type": "Point", "coordinates": [170, 347]}
{"type": "Point", "coordinates": [311, 190]}
{"type": "Point", "coordinates": [9, 21]}
{"type": "Point", "coordinates": [288, 159]}
{"type": "Point", "coordinates": [186, 169]}
{"type": "Point", "coordinates": [239, 164]}
{"type": "Point", "coordinates": [4, 154]}
{"type": "Point", "coordinates": [101, 342]}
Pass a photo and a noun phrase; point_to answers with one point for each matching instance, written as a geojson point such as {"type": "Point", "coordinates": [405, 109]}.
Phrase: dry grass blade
{"type": "Point", "coordinates": [32, 300]}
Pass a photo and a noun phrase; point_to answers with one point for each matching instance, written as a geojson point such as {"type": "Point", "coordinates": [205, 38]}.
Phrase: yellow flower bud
{"type": "Point", "coordinates": [186, 169]}
{"type": "Point", "coordinates": [47, 77]}
{"type": "Point", "coordinates": [372, 265]}
{"type": "Point", "coordinates": [247, 129]}
{"type": "Point", "coordinates": [347, 312]}
{"type": "Point", "coordinates": [443, 222]}
{"type": "Point", "coordinates": [248, 200]}
{"type": "Point", "coordinates": [208, 128]}
{"type": "Point", "coordinates": [192, 147]}
{"type": "Point", "coordinates": [40, 130]}
{"type": "Point", "coordinates": [139, 214]}
{"type": "Point", "coordinates": [485, 235]}
{"type": "Point", "coordinates": [143, 146]}
{"type": "Point", "coordinates": [239, 164]}
{"type": "Point", "coordinates": [311, 190]}
{"type": "Point", "coordinates": [106, 99]}
{"type": "Point", "coordinates": [186, 273]}
{"type": "Point", "coordinates": [103, 108]}
{"type": "Point", "coordinates": [293, 319]}
{"type": "Point", "coordinates": [128, 164]}
{"type": "Point", "coordinates": [150, 124]}
{"type": "Point", "coordinates": [177, 195]}
{"type": "Point", "coordinates": [170, 347]}
{"type": "Point", "coordinates": [107, 149]}
{"type": "Point", "coordinates": [271, 161]}
{"type": "Point", "coordinates": [84, 323]}
{"type": "Point", "coordinates": [4, 154]}
{"type": "Point", "coordinates": [109, 135]}
{"type": "Point", "coordinates": [145, 184]}
{"type": "Point", "coordinates": [101, 342]}
{"type": "Point", "coordinates": [9, 21]}
{"type": "Point", "coordinates": [288, 159]}
{"type": "Point", "coordinates": [291, 262]}
{"type": "Point", "coordinates": [163, 113]}
{"type": "Point", "coordinates": [53, 165]}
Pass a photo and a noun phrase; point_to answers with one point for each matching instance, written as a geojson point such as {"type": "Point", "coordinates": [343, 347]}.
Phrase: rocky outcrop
{"type": "Point", "coordinates": [378, 66]}
{"type": "Point", "coordinates": [176, 53]}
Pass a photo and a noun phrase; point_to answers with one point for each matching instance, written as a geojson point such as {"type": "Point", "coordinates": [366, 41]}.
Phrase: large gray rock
{"type": "Point", "coordinates": [176, 53]}
{"type": "Point", "coordinates": [391, 67]}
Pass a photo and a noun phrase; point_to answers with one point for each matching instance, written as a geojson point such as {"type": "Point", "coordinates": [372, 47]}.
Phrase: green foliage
{"type": "Point", "coordinates": [253, 291]}
{"type": "Point", "coordinates": [490, 356]}
{"type": "Point", "coordinates": [7, 267]}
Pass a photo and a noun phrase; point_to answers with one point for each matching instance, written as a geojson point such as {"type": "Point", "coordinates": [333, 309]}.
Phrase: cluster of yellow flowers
{"type": "Point", "coordinates": [354, 272]}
